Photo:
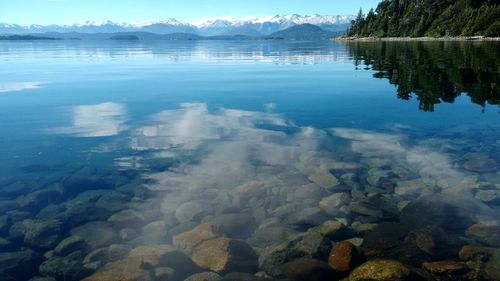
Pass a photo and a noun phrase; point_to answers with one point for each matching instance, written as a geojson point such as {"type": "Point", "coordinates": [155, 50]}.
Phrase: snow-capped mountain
{"type": "Point", "coordinates": [216, 26]}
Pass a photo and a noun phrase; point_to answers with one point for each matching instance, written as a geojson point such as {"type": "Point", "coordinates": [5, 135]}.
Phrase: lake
{"type": "Point", "coordinates": [248, 160]}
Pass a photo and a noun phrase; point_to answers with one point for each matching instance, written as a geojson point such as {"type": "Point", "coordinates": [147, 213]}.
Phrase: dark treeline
{"type": "Point", "coordinates": [417, 18]}
{"type": "Point", "coordinates": [435, 72]}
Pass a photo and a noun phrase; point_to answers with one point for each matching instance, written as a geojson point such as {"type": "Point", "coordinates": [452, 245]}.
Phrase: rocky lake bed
{"type": "Point", "coordinates": [373, 215]}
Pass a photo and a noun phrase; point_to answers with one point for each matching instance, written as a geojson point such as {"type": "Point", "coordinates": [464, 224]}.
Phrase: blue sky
{"type": "Point", "coordinates": [75, 11]}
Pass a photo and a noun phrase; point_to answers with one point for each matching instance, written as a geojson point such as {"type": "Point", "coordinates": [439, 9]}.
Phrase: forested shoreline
{"type": "Point", "coordinates": [429, 18]}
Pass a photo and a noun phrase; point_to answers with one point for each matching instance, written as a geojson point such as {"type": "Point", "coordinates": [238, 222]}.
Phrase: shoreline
{"type": "Point", "coordinates": [407, 39]}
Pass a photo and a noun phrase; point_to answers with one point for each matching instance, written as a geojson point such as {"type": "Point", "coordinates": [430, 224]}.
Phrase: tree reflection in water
{"type": "Point", "coordinates": [435, 72]}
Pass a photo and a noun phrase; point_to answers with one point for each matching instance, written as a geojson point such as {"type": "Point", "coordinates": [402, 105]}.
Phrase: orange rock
{"type": "Point", "coordinates": [342, 256]}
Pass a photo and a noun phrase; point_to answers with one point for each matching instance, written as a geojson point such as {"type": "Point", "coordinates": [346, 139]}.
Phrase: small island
{"type": "Point", "coordinates": [25, 38]}
{"type": "Point", "coordinates": [428, 19]}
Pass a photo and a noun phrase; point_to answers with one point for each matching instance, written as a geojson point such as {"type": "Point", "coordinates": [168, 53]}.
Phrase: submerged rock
{"type": "Point", "coordinates": [141, 260]}
{"type": "Point", "coordinates": [21, 265]}
{"type": "Point", "coordinates": [187, 241]}
{"type": "Point", "coordinates": [381, 270]}
{"type": "Point", "coordinates": [154, 232]}
{"type": "Point", "coordinates": [7, 205]}
{"type": "Point", "coordinates": [324, 179]}
{"type": "Point", "coordinates": [480, 164]}
{"type": "Point", "coordinates": [14, 189]}
{"type": "Point", "coordinates": [37, 233]}
{"type": "Point", "coordinates": [365, 209]}
{"type": "Point", "coordinates": [307, 217]}
{"type": "Point", "coordinates": [126, 218]}
{"type": "Point", "coordinates": [204, 276]}
{"type": "Point", "coordinates": [333, 203]}
{"type": "Point", "coordinates": [109, 254]}
{"type": "Point", "coordinates": [314, 244]}
{"type": "Point", "coordinates": [446, 269]}
{"type": "Point", "coordinates": [154, 256]}
{"type": "Point", "coordinates": [67, 268]}
{"type": "Point", "coordinates": [243, 193]}
{"type": "Point", "coordinates": [40, 198]}
{"type": "Point", "coordinates": [96, 234]}
{"type": "Point", "coordinates": [238, 226]}
{"type": "Point", "coordinates": [225, 255]}
{"type": "Point", "coordinates": [239, 276]}
{"type": "Point", "coordinates": [40, 278]}
{"type": "Point", "coordinates": [123, 270]}
{"type": "Point", "coordinates": [7, 246]}
{"type": "Point", "coordinates": [343, 257]}
{"type": "Point", "coordinates": [164, 273]}
{"type": "Point", "coordinates": [308, 270]}
{"type": "Point", "coordinates": [69, 245]}
{"type": "Point", "coordinates": [486, 233]}
{"type": "Point", "coordinates": [492, 267]}
{"type": "Point", "coordinates": [470, 253]}
{"type": "Point", "coordinates": [193, 211]}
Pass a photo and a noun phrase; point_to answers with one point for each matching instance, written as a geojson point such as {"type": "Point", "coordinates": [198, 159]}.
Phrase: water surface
{"type": "Point", "coordinates": [126, 144]}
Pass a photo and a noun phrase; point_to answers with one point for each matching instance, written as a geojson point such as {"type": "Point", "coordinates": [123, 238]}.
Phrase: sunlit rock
{"type": "Point", "coordinates": [382, 270]}
{"type": "Point", "coordinates": [128, 269]}
{"type": "Point", "coordinates": [187, 241]}
{"type": "Point", "coordinates": [225, 255]}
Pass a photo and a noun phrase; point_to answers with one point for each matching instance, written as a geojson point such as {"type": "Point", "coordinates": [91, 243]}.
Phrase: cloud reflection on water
{"type": "Point", "coordinates": [231, 147]}
{"type": "Point", "coordinates": [18, 86]}
{"type": "Point", "coordinates": [99, 120]}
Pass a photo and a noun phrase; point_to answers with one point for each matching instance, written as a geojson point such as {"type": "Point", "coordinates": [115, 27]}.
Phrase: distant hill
{"type": "Point", "coordinates": [125, 37]}
{"type": "Point", "coordinates": [417, 18]}
{"type": "Point", "coordinates": [303, 32]}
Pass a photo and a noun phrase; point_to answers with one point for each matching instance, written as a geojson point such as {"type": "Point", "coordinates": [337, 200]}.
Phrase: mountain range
{"type": "Point", "coordinates": [212, 27]}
